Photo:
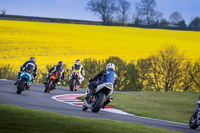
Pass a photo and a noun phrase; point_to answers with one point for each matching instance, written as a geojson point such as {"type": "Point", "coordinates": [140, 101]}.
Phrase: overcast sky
{"type": "Point", "coordinates": [75, 9]}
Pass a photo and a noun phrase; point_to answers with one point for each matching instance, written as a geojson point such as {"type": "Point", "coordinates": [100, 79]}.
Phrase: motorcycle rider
{"type": "Point", "coordinates": [78, 67]}
{"type": "Point", "coordinates": [103, 76]}
{"type": "Point", "coordinates": [30, 67]}
{"type": "Point", "coordinates": [57, 68]}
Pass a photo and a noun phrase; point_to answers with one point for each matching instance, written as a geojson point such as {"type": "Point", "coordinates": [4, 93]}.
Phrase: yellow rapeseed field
{"type": "Point", "coordinates": [52, 42]}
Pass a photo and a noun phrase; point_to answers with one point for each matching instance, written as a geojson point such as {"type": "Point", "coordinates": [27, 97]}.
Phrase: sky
{"type": "Point", "coordinates": [76, 9]}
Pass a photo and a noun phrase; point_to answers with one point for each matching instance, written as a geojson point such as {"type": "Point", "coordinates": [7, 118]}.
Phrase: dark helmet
{"type": "Point", "coordinates": [32, 59]}
{"type": "Point", "coordinates": [60, 63]}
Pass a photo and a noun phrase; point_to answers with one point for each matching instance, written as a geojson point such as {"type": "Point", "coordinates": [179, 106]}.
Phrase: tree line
{"type": "Point", "coordinates": [166, 70]}
{"type": "Point", "coordinates": [118, 11]}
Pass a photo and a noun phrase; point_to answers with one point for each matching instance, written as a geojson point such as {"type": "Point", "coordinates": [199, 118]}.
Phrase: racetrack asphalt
{"type": "Point", "coordinates": [37, 99]}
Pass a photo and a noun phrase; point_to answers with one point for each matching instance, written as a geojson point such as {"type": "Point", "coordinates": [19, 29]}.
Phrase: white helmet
{"type": "Point", "coordinates": [78, 62]}
{"type": "Point", "coordinates": [110, 66]}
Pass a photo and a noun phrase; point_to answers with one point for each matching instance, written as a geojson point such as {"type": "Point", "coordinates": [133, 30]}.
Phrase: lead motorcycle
{"type": "Point", "coordinates": [100, 98]}
{"type": "Point", "coordinates": [50, 85]}
{"type": "Point", "coordinates": [195, 118]}
{"type": "Point", "coordinates": [24, 82]}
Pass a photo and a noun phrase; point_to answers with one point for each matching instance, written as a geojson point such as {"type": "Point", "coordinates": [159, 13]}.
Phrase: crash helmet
{"type": "Point", "coordinates": [78, 62]}
{"type": "Point", "coordinates": [60, 63]}
{"type": "Point", "coordinates": [110, 66]}
{"type": "Point", "coordinates": [32, 59]}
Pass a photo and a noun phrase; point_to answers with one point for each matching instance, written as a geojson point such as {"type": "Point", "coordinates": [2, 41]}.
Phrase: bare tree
{"type": "Point", "coordinates": [167, 68]}
{"type": "Point", "coordinates": [105, 8]}
{"type": "Point", "coordinates": [175, 18]}
{"type": "Point", "coordinates": [124, 7]}
{"type": "Point", "coordinates": [3, 11]}
{"type": "Point", "coordinates": [145, 9]}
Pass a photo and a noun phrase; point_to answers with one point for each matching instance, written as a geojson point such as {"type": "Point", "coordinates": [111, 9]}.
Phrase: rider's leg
{"type": "Point", "coordinates": [70, 77]}
{"type": "Point", "coordinates": [81, 78]}
{"type": "Point", "coordinates": [18, 77]}
{"type": "Point", "coordinates": [92, 87]}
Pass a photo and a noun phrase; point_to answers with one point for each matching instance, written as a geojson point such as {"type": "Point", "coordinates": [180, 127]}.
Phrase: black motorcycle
{"type": "Point", "coordinates": [195, 119]}
{"type": "Point", "coordinates": [74, 82]}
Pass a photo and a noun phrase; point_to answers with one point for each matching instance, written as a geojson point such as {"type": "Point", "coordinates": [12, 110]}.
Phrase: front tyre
{"type": "Point", "coordinates": [193, 121]}
{"type": "Point", "coordinates": [99, 102]}
{"type": "Point", "coordinates": [21, 86]}
{"type": "Point", "coordinates": [48, 86]}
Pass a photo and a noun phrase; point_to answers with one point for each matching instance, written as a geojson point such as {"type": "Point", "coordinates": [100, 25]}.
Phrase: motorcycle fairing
{"type": "Point", "coordinates": [26, 76]}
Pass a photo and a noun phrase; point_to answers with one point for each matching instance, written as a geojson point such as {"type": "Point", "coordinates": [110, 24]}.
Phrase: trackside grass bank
{"type": "Point", "coordinates": [172, 106]}
{"type": "Point", "coordinates": [16, 119]}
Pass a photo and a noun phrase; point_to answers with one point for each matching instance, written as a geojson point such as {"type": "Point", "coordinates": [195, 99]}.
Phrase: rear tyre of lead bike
{"type": "Point", "coordinates": [72, 84]}
{"type": "Point", "coordinates": [99, 103]}
{"type": "Point", "coordinates": [193, 121]}
{"type": "Point", "coordinates": [48, 86]}
{"type": "Point", "coordinates": [21, 86]}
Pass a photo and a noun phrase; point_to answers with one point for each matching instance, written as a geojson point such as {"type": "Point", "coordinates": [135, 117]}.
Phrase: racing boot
{"type": "Point", "coordinates": [16, 82]}
{"type": "Point", "coordinates": [28, 87]}
{"type": "Point", "coordinates": [89, 95]}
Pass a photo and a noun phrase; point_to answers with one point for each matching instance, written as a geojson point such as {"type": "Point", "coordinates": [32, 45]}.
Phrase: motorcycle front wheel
{"type": "Point", "coordinates": [48, 86]}
{"type": "Point", "coordinates": [21, 86]}
{"type": "Point", "coordinates": [193, 121]}
{"type": "Point", "coordinates": [99, 103]}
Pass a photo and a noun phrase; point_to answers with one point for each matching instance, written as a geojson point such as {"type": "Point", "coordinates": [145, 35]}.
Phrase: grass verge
{"type": "Point", "coordinates": [172, 106]}
{"type": "Point", "coordinates": [16, 119]}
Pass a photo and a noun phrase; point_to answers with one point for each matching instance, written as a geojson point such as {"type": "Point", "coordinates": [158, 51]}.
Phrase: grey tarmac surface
{"type": "Point", "coordinates": [37, 99]}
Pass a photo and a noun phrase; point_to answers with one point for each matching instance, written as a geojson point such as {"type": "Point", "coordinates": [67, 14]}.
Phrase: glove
{"type": "Point", "coordinates": [90, 80]}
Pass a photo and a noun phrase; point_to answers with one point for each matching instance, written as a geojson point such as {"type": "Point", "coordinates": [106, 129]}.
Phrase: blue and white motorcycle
{"type": "Point", "coordinates": [100, 98]}
{"type": "Point", "coordinates": [195, 119]}
{"type": "Point", "coordinates": [24, 82]}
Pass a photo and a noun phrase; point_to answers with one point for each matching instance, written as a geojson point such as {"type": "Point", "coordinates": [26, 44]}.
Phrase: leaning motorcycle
{"type": "Point", "coordinates": [195, 119]}
{"type": "Point", "coordinates": [24, 82]}
{"type": "Point", "coordinates": [50, 85]}
{"type": "Point", "coordinates": [74, 82]}
{"type": "Point", "coordinates": [99, 99]}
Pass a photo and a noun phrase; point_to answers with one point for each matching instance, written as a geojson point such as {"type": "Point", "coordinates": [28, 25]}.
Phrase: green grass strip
{"type": "Point", "coordinates": [15, 119]}
{"type": "Point", "coordinates": [171, 106]}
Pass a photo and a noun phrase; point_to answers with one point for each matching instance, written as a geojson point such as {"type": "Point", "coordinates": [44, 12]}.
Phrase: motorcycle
{"type": "Point", "coordinates": [50, 85]}
{"type": "Point", "coordinates": [195, 118]}
{"type": "Point", "coordinates": [100, 98]}
{"type": "Point", "coordinates": [24, 82]}
{"type": "Point", "coordinates": [74, 82]}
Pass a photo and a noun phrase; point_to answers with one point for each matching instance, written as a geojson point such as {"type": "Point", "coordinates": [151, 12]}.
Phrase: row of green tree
{"type": "Point", "coordinates": [166, 70]}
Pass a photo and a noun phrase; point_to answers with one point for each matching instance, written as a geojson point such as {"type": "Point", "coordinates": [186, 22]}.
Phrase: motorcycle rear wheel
{"type": "Point", "coordinates": [48, 86]}
{"type": "Point", "coordinates": [72, 84]}
{"type": "Point", "coordinates": [99, 103]}
{"type": "Point", "coordinates": [193, 121]}
{"type": "Point", "coordinates": [21, 86]}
